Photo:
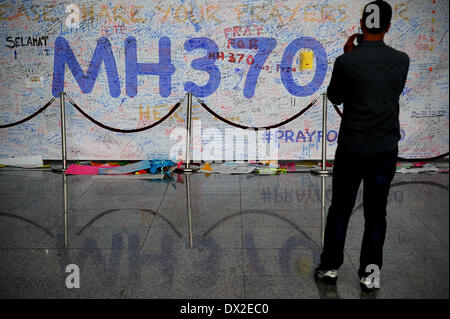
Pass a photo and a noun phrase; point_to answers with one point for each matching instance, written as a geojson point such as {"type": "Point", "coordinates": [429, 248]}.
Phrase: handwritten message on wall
{"type": "Point", "coordinates": [127, 63]}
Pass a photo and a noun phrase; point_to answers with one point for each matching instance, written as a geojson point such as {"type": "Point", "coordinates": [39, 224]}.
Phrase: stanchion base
{"type": "Point", "coordinates": [321, 172]}
{"type": "Point", "coordinates": [58, 170]}
{"type": "Point", "coordinates": [188, 170]}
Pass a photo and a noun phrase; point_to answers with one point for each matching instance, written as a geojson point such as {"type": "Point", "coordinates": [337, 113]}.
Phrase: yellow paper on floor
{"type": "Point", "coordinates": [207, 167]}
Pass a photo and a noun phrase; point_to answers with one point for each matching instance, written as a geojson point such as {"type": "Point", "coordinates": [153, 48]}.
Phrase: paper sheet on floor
{"type": "Point", "coordinates": [414, 169]}
{"type": "Point", "coordinates": [230, 168]}
{"type": "Point", "coordinates": [131, 177]}
{"type": "Point", "coordinates": [23, 161]}
{"type": "Point", "coordinates": [120, 170]}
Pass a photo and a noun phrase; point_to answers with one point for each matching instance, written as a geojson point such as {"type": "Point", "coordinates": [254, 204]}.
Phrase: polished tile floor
{"type": "Point", "coordinates": [247, 236]}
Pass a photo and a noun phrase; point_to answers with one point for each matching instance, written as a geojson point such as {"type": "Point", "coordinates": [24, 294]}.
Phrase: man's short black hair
{"type": "Point", "coordinates": [385, 16]}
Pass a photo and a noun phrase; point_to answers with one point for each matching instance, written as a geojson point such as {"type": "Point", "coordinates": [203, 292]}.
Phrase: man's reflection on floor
{"type": "Point", "coordinates": [327, 291]}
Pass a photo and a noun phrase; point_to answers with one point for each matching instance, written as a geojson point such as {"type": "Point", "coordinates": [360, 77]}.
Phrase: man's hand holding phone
{"type": "Point", "coordinates": [349, 45]}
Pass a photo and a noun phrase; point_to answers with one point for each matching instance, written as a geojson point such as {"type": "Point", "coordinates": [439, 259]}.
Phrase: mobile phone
{"type": "Point", "coordinates": [359, 37]}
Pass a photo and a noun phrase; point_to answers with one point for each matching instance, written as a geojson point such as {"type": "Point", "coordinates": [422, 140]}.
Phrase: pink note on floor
{"type": "Point", "coordinates": [290, 167]}
{"type": "Point", "coordinates": [76, 169]}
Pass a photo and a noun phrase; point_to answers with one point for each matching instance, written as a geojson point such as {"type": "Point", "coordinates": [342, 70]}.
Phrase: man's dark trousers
{"type": "Point", "coordinates": [376, 171]}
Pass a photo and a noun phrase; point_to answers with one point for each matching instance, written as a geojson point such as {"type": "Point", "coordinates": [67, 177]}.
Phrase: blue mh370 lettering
{"type": "Point", "coordinates": [164, 69]}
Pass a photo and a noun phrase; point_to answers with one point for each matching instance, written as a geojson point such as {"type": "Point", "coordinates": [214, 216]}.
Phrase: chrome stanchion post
{"type": "Point", "coordinates": [63, 130]}
{"type": "Point", "coordinates": [323, 198]}
{"type": "Point", "coordinates": [66, 232]}
{"type": "Point", "coordinates": [62, 103]}
{"type": "Point", "coordinates": [323, 170]}
{"type": "Point", "coordinates": [189, 206]}
{"type": "Point", "coordinates": [187, 166]}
